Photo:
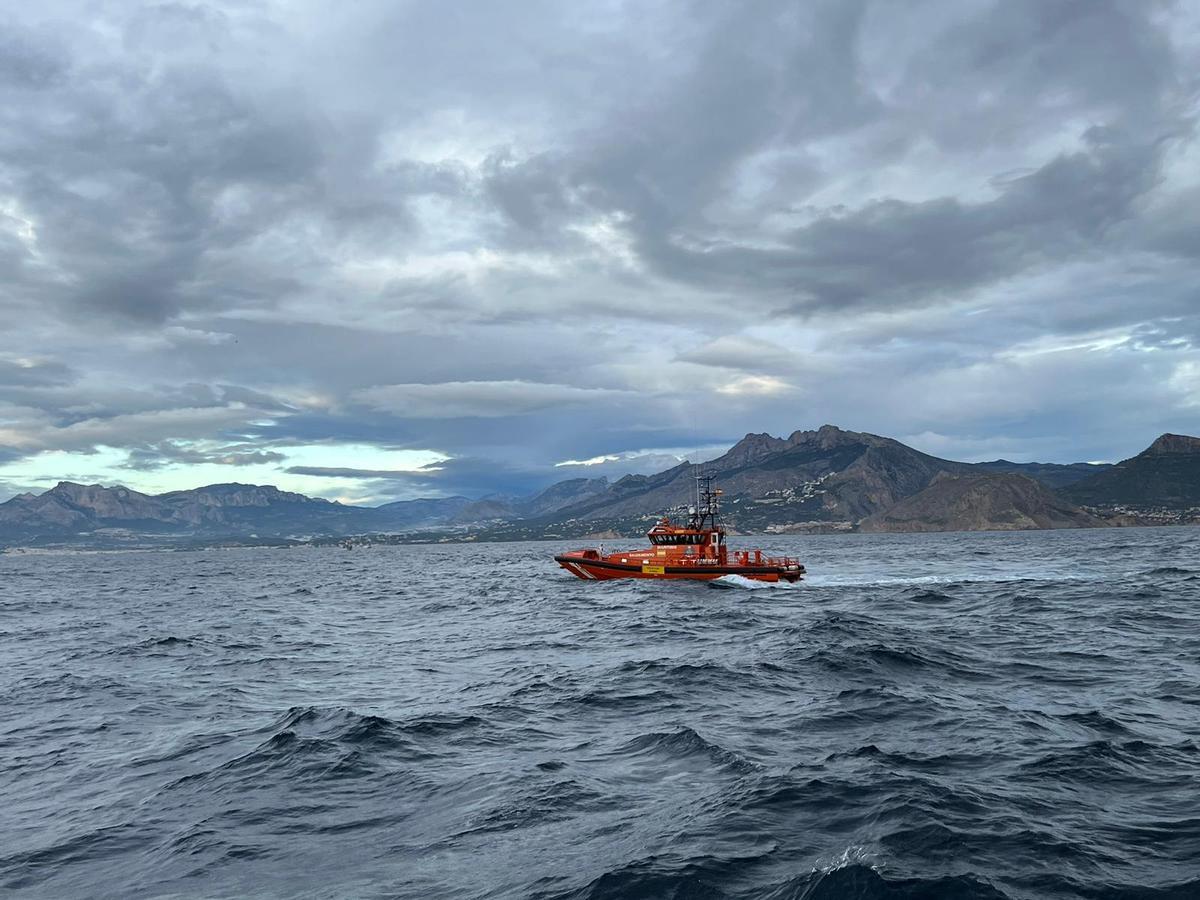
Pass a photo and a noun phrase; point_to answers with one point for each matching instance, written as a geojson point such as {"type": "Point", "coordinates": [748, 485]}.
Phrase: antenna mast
{"type": "Point", "coordinates": [708, 504]}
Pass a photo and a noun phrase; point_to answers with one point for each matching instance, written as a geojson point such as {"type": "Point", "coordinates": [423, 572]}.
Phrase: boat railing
{"type": "Point", "coordinates": [758, 558]}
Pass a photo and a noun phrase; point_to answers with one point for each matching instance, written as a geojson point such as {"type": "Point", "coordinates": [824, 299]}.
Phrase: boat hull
{"type": "Point", "coordinates": [600, 569]}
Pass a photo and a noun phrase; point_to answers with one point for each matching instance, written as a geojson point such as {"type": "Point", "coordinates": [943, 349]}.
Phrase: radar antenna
{"type": "Point", "coordinates": [708, 504]}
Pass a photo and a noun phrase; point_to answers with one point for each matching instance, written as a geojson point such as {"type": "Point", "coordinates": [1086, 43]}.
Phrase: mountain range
{"type": "Point", "coordinates": [823, 480]}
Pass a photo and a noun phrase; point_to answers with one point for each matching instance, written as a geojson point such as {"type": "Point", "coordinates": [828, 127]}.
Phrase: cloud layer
{"type": "Point", "coordinates": [236, 235]}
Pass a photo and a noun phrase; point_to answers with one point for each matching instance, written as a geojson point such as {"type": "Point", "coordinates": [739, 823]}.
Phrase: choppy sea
{"type": "Point", "coordinates": [942, 716]}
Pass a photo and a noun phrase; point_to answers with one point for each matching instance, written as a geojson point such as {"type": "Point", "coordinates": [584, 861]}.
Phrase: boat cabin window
{"type": "Point", "coordinates": [661, 539]}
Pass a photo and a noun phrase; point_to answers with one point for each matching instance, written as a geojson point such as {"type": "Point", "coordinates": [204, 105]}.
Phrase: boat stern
{"type": "Point", "coordinates": [792, 574]}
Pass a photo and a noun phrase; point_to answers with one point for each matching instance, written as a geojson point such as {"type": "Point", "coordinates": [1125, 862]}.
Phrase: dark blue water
{"type": "Point", "coordinates": [929, 716]}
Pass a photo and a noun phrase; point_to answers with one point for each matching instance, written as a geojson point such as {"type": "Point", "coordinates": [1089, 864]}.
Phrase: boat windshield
{"type": "Point", "coordinates": [678, 539]}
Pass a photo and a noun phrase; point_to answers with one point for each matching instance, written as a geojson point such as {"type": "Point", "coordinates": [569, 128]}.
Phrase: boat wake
{"type": "Point", "coordinates": [726, 582]}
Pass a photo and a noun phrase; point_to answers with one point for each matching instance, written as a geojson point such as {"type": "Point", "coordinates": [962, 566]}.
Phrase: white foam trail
{"type": "Point", "coordinates": [867, 581]}
{"type": "Point", "coordinates": [970, 578]}
{"type": "Point", "coordinates": [741, 581]}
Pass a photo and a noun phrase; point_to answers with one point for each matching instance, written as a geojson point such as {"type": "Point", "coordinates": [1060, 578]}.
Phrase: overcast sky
{"type": "Point", "coordinates": [378, 250]}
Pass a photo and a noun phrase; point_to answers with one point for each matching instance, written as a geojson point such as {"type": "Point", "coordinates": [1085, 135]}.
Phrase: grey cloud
{"type": "Point", "coordinates": [1020, 63]}
{"type": "Point", "coordinates": [469, 476]}
{"type": "Point", "coordinates": [341, 472]}
{"type": "Point", "coordinates": [152, 457]}
{"type": "Point", "coordinates": [475, 476]}
{"type": "Point", "coordinates": [479, 399]}
{"type": "Point", "coordinates": [469, 230]}
{"type": "Point", "coordinates": [86, 434]}
{"type": "Point", "coordinates": [893, 250]}
{"type": "Point", "coordinates": [533, 194]}
{"type": "Point", "coordinates": [31, 59]}
{"type": "Point", "coordinates": [668, 173]}
{"type": "Point", "coordinates": [35, 374]}
{"type": "Point", "coordinates": [745, 354]}
{"type": "Point", "coordinates": [57, 413]}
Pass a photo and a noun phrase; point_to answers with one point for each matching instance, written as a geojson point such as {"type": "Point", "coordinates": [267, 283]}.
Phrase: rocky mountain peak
{"type": "Point", "coordinates": [239, 495]}
{"type": "Point", "coordinates": [752, 448]}
{"type": "Point", "coordinates": [117, 503]}
{"type": "Point", "coordinates": [829, 436]}
{"type": "Point", "coordinates": [72, 488]}
{"type": "Point", "coordinates": [90, 493]}
{"type": "Point", "coordinates": [1175, 443]}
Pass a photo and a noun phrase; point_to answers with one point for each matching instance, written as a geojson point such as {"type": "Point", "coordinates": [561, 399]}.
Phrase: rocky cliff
{"type": "Point", "coordinates": [1166, 475]}
{"type": "Point", "coordinates": [981, 502]}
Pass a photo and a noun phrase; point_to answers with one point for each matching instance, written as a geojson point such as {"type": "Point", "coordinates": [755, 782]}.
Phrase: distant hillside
{"type": "Point", "coordinates": [93, 515]}
{"type": "Point", "coordinates": [1166, 475]}
{"type": "Point", "coordinates": [1053, 475]}
{"type": "Point", "coordinates": [823, 476]}
{"type": "Point", "coordinates": [96, 513]}
{"type": "Point", "coordinates": [557, 496]}
{"type": "Point", "coordinates": [835, 480]}
{"type": "Point", "coordinates": [981, 502]}
{"type": "Point", "coordinates": [70, 508]}
{"type": "Point", "coordinates": [812, 481]}
{"type": "Point", "coordinates": [425, 511]}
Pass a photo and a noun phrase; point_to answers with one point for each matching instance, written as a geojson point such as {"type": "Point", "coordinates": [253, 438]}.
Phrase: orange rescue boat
{"type": "Point", "coordinates": [694, 551]}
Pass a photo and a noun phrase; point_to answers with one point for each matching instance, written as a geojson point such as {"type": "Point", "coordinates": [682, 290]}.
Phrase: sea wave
{"type": "Point", "coordinates": [961, 716]}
